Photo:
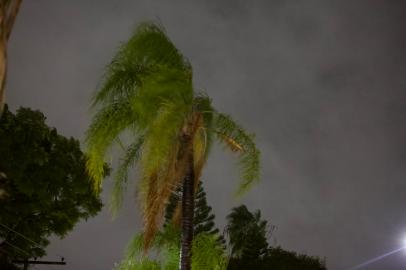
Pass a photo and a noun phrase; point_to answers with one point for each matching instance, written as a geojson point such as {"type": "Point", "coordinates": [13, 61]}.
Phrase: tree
{"type": "Point", "coordinates": [148, 95]}
{"type": "Point", "coordinates": [8, 14]}
{"type": "Point", "coordinates": [249, 247]}
{"type": "Point", "coordinates": [280, 259]}
{"type": "Point", "coordinates": [203, 220]}
{"type": "Point", "coordinates": [46, 189]}
{"type": "Point", "coordinates": [247, 237]}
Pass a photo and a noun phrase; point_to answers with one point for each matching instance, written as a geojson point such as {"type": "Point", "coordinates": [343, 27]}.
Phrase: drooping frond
{"type": "Point", "coordinates": [202, 140]}
{"type": "Point", "coordinates": [160, 159]}
{"type": "Point", "coordinates": [177, 214]}
{"type": "Point", "coordinates": [147, 70]}
{"type": "Point", "coordinates": [167, 243]}
{"type": "Point", "coordinates": [133, 256]}
{"type": "Point", "coordinates": [160, 143]}
{"type": "Point", "coordinates": [235, 138]}
{"type": "Point", "coordinates": [163, 87]}
{"type": "Point", "coordinates": [107, 124]}
{"type": "Point", "coordinates": [165, 246]}
{"type": "Point", "coordinates": [203, 105]}
{"type": "Point", "coordinates": [147, 49]}
{"type": "Point", "coordinates": [135, 247]}
{"type": "Point", "coordinates": [199, 151]}
{"type": "Point", "coordinates": [141, 264]}
{"type": "Point", "coordinates": [207, 253]}
{"type": "Point", "coordinates": [131, 157]}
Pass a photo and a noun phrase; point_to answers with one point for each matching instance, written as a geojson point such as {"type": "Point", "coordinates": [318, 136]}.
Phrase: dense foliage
{"type": "Point", "coordinates": [247, 234]}
{"type": "Point", "coordinates": [207, 252]}
{"type": "Point", "coordinates": [247, 243]}
{"type": "Point", "coordinates": [203, 220]}
{"type": "Point", "coordinates": [249, 247]}
{"type": "Point", "coordinates": [280, 259]}
{"type": "Point", "coordinates": [44, 185]}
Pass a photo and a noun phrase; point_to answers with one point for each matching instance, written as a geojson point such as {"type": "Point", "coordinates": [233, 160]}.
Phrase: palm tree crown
{"type": "Point", "coordinates": [148, 94]}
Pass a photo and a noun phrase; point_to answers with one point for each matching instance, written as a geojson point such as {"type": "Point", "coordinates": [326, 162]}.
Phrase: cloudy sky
{"type": "Point", "coordinates": [322, 84]}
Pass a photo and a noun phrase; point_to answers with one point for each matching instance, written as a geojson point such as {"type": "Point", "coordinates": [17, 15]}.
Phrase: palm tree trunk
{"type": "Point", "coordinates": [187, 215]}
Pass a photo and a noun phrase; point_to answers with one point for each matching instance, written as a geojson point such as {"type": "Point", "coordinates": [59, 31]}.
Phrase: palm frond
{"type": "Point", "coordinates": [135, 247]}
{"type": "Point", "coordinates": [142, 264]}
{"type": "Point", "coordinates": [177, 214]}
{"type": "Point", "coordinates": [207, 253]}
{"type": "Point", "coordinates": [200, 149]}
{"type": "Point", "coordinates": [161, 140]}
{"type": "Point", "coordinates": [203, 105]}
{"type": "Point", "coordinates": [165, 245]}
{"type": "Point", "coordinates": [106, 125]}
{"type": "Point", "coordinates": [235, 138]}
{"type": "Point", "coordinates": [131, 157]}
{"type": "Point", "coordinates": [148, 48]}
{"type": "Point", "coordinates": [162, 168]}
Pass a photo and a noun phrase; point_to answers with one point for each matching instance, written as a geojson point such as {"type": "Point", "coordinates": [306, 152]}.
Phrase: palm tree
{"type": "Point", "coordinates": [247, 234]}
{"type": "Point", "coordinates": [147, 95]}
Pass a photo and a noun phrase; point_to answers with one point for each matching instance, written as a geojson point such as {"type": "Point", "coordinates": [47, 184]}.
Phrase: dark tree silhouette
{"type": "Point", "coordinates": [247, 234]}
{"type": "Point", "coordinates": [203, 220]}
{"type": "Point", "coordinates": [44, 185]}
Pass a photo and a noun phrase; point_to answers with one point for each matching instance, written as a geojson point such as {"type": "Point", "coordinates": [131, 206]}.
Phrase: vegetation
{"type": "Point", "coordinates": [148, 96]}
{"type": "Point", "coordinates": [249, 247]}
{"type": "Point", "coordinates": [247, 244]}
{"type": "Point", "coordinates": [280, 259]}
{"type": "Point", "coordinates": [203, 220]}
{"type": "Point", "coordinates": [45, 187]}
{"type": "Point", "coordinates": [247, 234]}
{"type": "Point", "coordinates": [208, 253]}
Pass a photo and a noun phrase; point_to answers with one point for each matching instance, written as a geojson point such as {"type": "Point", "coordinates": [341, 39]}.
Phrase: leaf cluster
{"type": "Point", "coordinates": [46, 189]}
{"type": "Point", "coordinates": [207, 253]}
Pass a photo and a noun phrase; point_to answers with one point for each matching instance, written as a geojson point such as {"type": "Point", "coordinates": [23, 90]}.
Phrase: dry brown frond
{"type": "Point", "coordinates": [234, 146]}
{"type": "Point", "coordinates": [173, 175]}
{"type": "Point", "coordinates": [177, 214]}
{"type": "Point", "coordinates": [199, 152]}
{"type": "Point", "coordinates": [149, 227]}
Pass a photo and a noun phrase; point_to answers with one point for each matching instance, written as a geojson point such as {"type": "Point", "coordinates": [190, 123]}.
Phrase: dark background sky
{"type": "Point", "coordinates": [321, 83]}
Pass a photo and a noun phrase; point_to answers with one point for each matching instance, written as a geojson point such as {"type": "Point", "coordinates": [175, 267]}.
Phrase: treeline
{"type": "Point", "coordinates": [243, 244]}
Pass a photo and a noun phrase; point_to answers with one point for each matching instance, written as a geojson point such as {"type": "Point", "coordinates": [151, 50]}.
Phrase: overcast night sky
{"type": "Point", "coordinates": [322, 84]}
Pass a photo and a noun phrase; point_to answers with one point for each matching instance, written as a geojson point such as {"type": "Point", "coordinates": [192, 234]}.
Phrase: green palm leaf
{"type": "Point", "coordinates": [236, 139]}
{"type": "Point", "coordinates": [131, 157]}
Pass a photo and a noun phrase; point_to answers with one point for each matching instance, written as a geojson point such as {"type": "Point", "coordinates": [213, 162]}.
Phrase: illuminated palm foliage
{"type": "Point", "coordinates": [147, 94]}
{"type": "Point", "coordinates": [208, 253]}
